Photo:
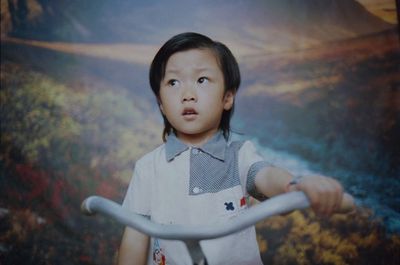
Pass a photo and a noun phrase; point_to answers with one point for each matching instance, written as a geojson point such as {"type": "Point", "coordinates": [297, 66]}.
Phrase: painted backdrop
{"type": "Point", "coordinates": [320, 94]}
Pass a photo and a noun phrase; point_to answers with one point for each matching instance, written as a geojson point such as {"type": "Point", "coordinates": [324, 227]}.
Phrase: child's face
{"type": "Point", "coordinates": [192, 94]}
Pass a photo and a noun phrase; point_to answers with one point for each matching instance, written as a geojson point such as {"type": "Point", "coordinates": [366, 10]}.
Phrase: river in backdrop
{"type": "Point", "coordinates": [374, 192]}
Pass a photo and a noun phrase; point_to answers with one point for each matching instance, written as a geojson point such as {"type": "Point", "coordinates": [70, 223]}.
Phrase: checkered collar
{"type": "Point", "coordinates": [215, 147]}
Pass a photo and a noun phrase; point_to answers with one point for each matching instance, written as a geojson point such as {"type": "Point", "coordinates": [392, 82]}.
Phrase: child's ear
{"type": "Point", "coordinates": [228, 100]}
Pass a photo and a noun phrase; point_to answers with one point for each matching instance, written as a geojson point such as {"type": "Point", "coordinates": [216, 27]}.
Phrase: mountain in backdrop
{"type": "Point", "coordinates": [264, 25]}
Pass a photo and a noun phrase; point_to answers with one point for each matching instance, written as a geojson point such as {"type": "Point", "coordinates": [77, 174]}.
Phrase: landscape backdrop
{"type": "Point", "coordinates": [320, 95]}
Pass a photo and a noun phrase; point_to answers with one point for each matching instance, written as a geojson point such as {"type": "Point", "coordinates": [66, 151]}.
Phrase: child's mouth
{"type": "Point", "coordinates": [189, 112]}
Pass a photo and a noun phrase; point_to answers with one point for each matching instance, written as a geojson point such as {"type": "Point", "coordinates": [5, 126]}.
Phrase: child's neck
{"type": "Point", "coordinates": [196, 139]}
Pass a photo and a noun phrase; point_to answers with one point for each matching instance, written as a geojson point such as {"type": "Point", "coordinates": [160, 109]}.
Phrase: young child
{"type": "Point", "coordinates": [198, 176]}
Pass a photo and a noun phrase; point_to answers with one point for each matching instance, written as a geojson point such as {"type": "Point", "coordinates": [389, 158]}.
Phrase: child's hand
{"type": "Point", "coordinates": [325, 194]}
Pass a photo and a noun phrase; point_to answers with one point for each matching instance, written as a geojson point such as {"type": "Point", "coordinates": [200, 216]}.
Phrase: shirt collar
{"type": "Point", "coordinates": [215, 146]}
{"type": "Point", "coordinates": [174, 147]}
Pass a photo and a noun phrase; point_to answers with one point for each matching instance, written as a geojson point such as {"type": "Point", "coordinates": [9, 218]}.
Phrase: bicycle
{"type": "Point", "coordinates": [192, 235]}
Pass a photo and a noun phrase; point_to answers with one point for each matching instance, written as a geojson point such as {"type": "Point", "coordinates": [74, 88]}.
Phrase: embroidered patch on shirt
{"type": "Point", "coordinates": [158, 254]}
{"type": "Point", "coordinates": [229, 206]}
{"type": "Point", "coordinates": [242, 202]}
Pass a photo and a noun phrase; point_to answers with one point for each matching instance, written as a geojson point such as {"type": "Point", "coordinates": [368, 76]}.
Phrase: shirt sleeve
{"type": "Point", "coordinates": [138, 195]}
{"type": "Point", "coordinates": [250, 163]}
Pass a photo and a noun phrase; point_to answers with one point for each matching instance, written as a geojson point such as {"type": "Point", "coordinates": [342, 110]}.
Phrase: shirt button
{"type": "Point", "coordinates": [195, 151]}
{"type": "Point", "coordinates": [196, 190]}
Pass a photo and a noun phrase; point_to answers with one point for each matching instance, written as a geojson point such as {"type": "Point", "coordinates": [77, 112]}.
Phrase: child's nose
{"type": "Point", "coordinates": [189, 94]}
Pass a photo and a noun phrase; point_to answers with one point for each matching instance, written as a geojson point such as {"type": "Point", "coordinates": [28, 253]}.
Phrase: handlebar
{"type": "Point", "coordinates": [277, 205]}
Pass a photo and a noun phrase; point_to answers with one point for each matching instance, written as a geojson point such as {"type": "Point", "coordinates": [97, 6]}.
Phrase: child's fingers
{"type": "Point", "coordinates": [312, 186]}
{"type": "Point", "coordinates": [333, 200]}
{"type": "Point", "coordinates": [325, 194]}
{"type": "Point", "coordinates": [330, 195]}
{"type": "Point", "coordinates": [335, 195]}
{"type": "Point", "coordinates": [338, 195]}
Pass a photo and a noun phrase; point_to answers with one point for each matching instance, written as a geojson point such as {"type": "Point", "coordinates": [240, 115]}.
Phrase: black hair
{"type": "Point", "coordinates": [187, 41]}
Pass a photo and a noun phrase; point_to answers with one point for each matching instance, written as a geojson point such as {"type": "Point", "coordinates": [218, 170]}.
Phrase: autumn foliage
{"type": "Point", "coordinates": [51, 159]}
{"type": "Point", "coordinates": [303, 238]}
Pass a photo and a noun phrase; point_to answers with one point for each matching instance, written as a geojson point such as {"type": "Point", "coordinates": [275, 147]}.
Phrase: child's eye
{"type": "Point", "coordinates": [202, 80]}
{"type": "Point", "coordinates": [172, 82]}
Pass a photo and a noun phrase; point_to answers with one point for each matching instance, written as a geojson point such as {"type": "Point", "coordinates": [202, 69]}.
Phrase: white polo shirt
{"type": "Point", "coordinates": [178, 184]}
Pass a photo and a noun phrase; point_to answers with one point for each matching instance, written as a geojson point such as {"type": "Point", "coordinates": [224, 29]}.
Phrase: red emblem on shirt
{"type": "Point", "coordinates": [242, 202]}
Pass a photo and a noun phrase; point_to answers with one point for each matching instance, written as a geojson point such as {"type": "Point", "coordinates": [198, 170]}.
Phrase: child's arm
{"type": "Point", "coordinates": [134, 248]}
{"type": "Point", "coordinates": [325, 194]}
